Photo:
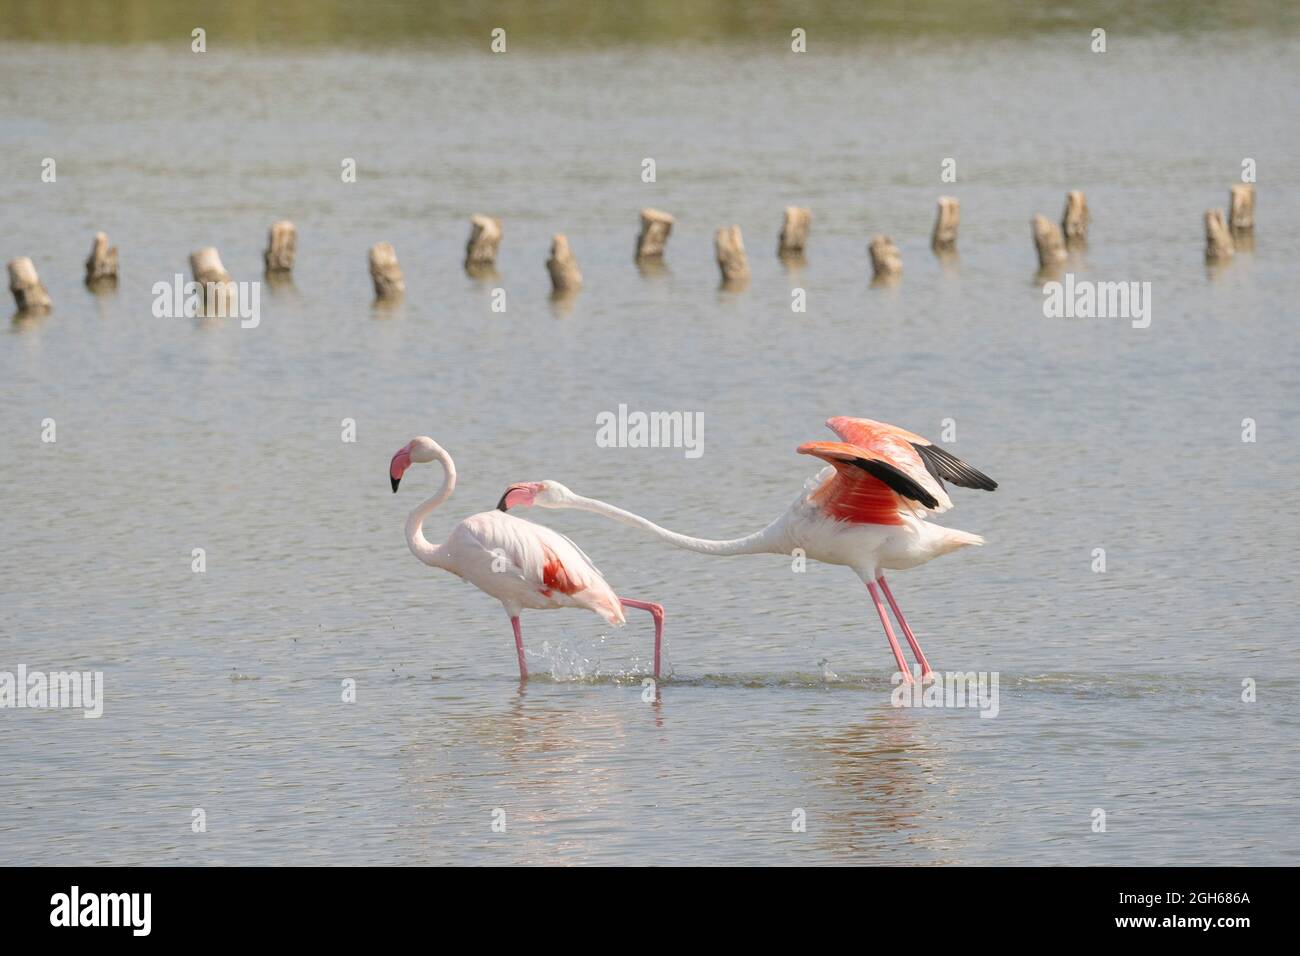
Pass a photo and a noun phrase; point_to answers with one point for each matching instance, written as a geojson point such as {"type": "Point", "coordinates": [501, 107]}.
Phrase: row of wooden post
{"type": "Point", "coordinates": [1051, 241]}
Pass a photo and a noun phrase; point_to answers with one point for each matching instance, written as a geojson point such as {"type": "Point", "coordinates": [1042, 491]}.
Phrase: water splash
{"type": "Point", "coordinates": [828, 675]}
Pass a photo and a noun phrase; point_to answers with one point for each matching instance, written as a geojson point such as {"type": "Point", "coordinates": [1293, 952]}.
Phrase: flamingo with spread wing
{"type": "Point", "coordinates": [866, 511]}
{"type": "Point", "coordinates": [521, 564]}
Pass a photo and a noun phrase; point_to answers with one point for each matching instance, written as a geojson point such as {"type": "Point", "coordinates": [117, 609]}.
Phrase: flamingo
{"type": "Point", "coordinates": [521, 564]}
{"type": "Point", "coordinates": [865, 510]}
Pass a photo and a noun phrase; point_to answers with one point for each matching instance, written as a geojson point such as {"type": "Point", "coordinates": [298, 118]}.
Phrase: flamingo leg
{"type": "Point", "coordinates": [519, 647]}
{"type": "Point", "coordinates": [907, 631]}
{"type": "Point", "coordinates": [889, 633]}
{"type": "Point", "coordinates": [656, 611]}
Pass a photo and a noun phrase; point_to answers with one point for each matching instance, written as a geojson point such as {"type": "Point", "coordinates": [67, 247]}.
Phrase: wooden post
{"type": "Point", "coordinates": [655, 229]}
{"type": "Point", "coordinates": [1241, 215]}
{"type": "Point", "coordinates": [281, 248]}
{"type": "Point", "coordinates": [730, 250]}
{"type": "Point", "coordinates": [794, 232]}
{"type": "Point", "coordinates": [1075, 219]}
{"type": "Point", "coordinates": [29, 292]}
{"type": "Point", "coordinates": [101, 266]}
{"type": "Point", "coordinates": [484, 240]}
{"type": "Point", "coordinates": [1049, 242]}
{"type": "Point", "coordinates": [886, 263]}
{"type": "Point", "coordinates": [385, 273]}
{"type": "Point", "coordinates": [1218, 240]}
{"type": "Point", "coordinates": [563, 268]}
{"type": "Point", "coordinates": [205, 264]}
{"type": "Point", "coordinates": [944, 237]}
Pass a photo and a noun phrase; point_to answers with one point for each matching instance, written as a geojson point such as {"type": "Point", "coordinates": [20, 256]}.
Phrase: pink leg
{"type": "Point", "coordinates": [907, 631]}
{"type": "Point", "coordinates": [657, 611]}
{"type": "Point", "coordinates": [889, 633]}
{"type": "Point", "coordinates": [519, 647]}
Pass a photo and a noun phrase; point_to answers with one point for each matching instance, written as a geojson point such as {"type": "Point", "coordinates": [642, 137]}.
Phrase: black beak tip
{"type": "Point", "coordinates": [395, 481]}
{"type": "Point", "coordinates": [501, 505]}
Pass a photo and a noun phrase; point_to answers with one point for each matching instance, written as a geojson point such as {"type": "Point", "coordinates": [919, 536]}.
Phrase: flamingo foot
{"type": "Point", "coordinates": [519, 647]}
{"type": "Point", "coordinates": [657, 612]}
{"type": "Point", "coordinates": [889, 633]}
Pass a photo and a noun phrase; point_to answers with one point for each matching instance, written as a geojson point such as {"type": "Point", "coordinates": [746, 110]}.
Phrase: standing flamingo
{"type": "Point", "coordinates": [865, 511]}
{"type": "Point", "coordinates": [519, 563]}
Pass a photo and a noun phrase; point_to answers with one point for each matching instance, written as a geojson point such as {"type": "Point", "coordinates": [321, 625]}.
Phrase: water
{"type": "Point", "coordinates": [1119, 690]}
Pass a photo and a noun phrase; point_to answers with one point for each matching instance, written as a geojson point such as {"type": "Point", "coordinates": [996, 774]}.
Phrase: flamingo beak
{"type": "Point", "coordinates": [516, 495]}
{"type": "Point", "coordinates": [401, 461]}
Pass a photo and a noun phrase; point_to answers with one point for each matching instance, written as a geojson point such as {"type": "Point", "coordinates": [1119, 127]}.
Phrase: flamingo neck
{"type": "Point", "coordinates": [420, 546]}
{"type": "Point", "coordinates": [767, 540]}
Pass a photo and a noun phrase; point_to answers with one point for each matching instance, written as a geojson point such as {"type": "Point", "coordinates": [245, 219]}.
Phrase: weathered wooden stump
{"type": "Point", "coordinates": [1075, 219]}
{"type": "Point", "coordinates": [794, 232]}
{"type": "Point", "coordinates": [29, 292]}
{"type": "Point", "coordinates": [1241, 211]}
{"type": "Point", "coordinates": [281, 248]}
{"type": "Point", "coordinates": [886, 263]}
{"type": "Point", "coordinates": [944, 237]}
{"type": "Point", "coordinates": [565, 277]}
{"type": "Point", "coordinates": [218, 287]}
{"type": "Point", "coordinates": [730, 250]}
{"type": "Point", "coordinates": [656, 226]}
{"type": "Point", "coordinates": [481, 249]}
{"type": "Point", "coordinates": [1219, 246]}
{"type": "Point", "coordinates": [101, 266]}
{"type": "Point", "coordinates": [385, 273]}
{"type": "Point", "coordinates": [1050, 244]}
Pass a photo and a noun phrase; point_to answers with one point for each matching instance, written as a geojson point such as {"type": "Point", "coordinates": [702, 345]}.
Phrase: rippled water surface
{"type": "Point", "coordinates": [1118, 690]}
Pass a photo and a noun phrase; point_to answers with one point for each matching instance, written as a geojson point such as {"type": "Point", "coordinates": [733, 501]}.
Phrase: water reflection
{"type": "Point", "coordinates": [550, 758]}
{"type": "Point", "coordinates": [562, 303]}
{"type": "Point", "coordinates": [877, 769]}
{"type": "Point", "coordinates": [653, 267]}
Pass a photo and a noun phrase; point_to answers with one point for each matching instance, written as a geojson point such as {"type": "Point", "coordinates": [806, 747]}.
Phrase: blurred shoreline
{"type": "Point", "coordinates": [411, 23]}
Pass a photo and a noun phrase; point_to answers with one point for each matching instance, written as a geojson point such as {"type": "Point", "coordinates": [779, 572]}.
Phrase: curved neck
{"type": "Point", "coordinates": [420, 546]}
{"type": "Point", "coordinates": [768, 540]}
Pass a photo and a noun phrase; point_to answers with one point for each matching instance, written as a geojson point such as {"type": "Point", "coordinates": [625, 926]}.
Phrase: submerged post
{"type": "Point", "coordinates": [729, 248]}
{"type": "Point", "coordinates": [1075, 219]}
{"type": "Point", "coordinates": [1049, 242]}
{"type": "Point", "coordinates": [101, 266]}
{"type": "Point", "coordinates": [281, 248]}
{"type": "Point", "coordinates": [29, 292]}
{"type": "Point", "coordinates": [563, 268]}
{"type": "Point", "coordinates": [1218, 240]}
{"type": "Point", "coordinates": [218, 288]}
{"type": "Point", "coordinates": [1241, 211]}
{"type": "Point", "coordinates": [484, 240]}
{"type": "Point", "coordinates": [886, 263]}
{"type": "Point", "coordinates": [944, 237]}
{"type": "Point", "coordinates": [656, 226]}
{"type": "Point", "coordinates": [794, 232]}
{"type": "Point", "coordinates": [385, 273]}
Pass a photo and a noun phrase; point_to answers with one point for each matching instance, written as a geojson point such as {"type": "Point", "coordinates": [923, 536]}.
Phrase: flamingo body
{"type": "Point", "coordinates": [526, 565]}
{"type": "Point", "coordinates": [866, 547]}
{"type": "Point", "coordinates": [521, 564]}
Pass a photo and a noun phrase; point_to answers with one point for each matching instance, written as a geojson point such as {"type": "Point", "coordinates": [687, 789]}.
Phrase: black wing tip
{"type": "Point", "coordinates": [897, 480]}
{"type": "Point", "coordinates": [944, 465]}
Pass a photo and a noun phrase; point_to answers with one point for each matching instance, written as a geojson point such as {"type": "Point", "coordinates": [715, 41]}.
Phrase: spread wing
{"type": "Point", "coordinates": [881, 470]}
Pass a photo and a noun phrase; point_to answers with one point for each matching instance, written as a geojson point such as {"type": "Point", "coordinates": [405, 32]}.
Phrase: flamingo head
{"type": "Point", "coordinates": [418, 450]}
{"type": "Point", "coordinates": [543, 494]}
